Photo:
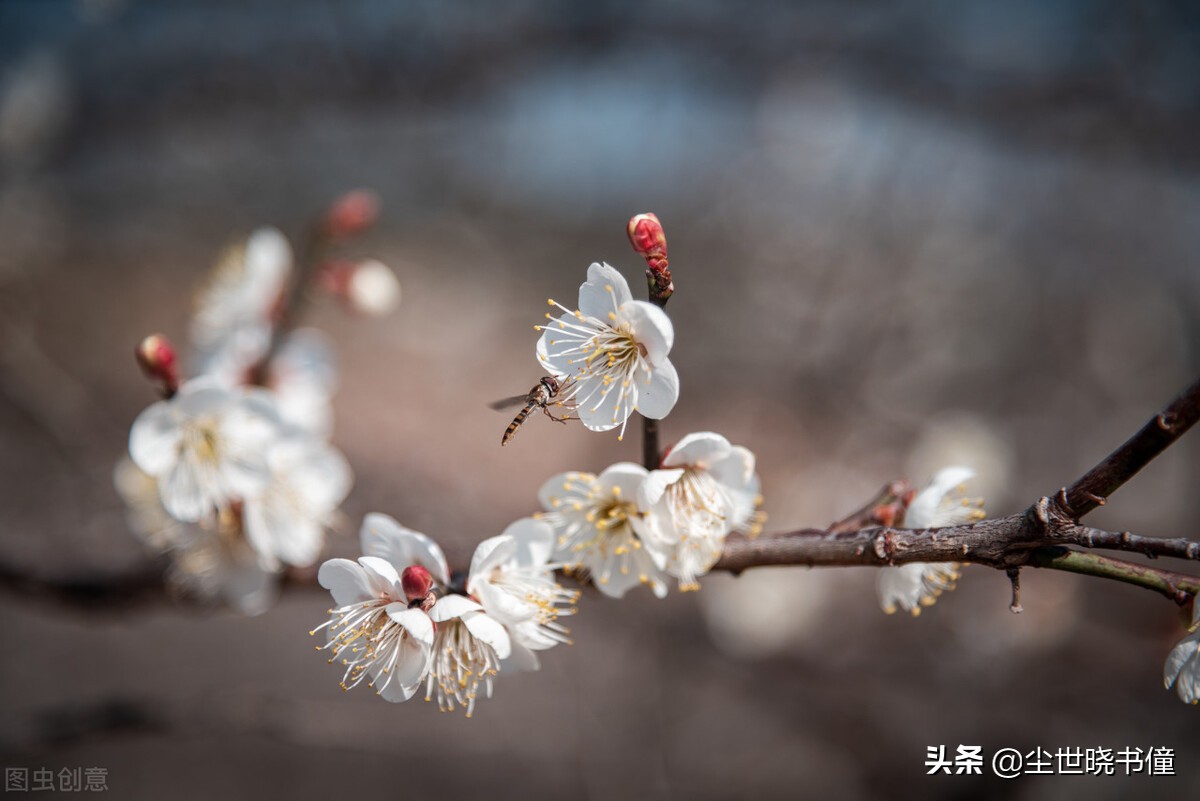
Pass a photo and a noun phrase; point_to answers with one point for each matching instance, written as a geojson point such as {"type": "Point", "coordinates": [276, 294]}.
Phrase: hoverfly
{"type": "Point", "coordinates": [541, 396]}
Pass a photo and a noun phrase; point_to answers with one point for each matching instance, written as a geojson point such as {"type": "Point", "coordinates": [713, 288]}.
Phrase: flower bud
{"type": "Point", "coordinates": [648, 239]}
{"type": "Point", "coordinates": [373, 288]}
{"type": "Point", "coordinates": [417, 582]}
{"type": "Point", "coordinates": [156, 356]}
{"type": "Point", "coordinates": [351, 214]}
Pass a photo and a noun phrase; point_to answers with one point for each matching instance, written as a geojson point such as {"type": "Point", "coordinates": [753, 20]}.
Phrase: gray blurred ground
{"type": "Point", "coordinates": [902, 234]}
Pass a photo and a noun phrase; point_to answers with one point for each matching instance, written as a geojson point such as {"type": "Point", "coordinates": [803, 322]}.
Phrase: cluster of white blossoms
{"type": "Point", "coordinates": [942, 503]}
{"type": "Point", "coordinates": [630, 526]}
{"type": "Point", "coordinates": [399, 622]}
{"type": "Point", "coordinates": [233, 474]}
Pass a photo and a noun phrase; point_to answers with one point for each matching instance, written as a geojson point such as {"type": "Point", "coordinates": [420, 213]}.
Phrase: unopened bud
{"type": "Point", "coordinates": [417, 582]}
{"type": "Point", "coordinates": [156, 356]}
{"type": "Point", "coordinates": [648, 239]}
{"type": "Point", "coordinates": [373, 288]}
{"type": "Point", "coordinates": [351, 214]}
{"type": "Point", "coordinates": [650, 242]}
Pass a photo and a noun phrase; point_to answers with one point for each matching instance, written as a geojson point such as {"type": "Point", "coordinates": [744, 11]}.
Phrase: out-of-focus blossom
{"type": "Point", "coordinates": [512, 577]}
{"type": "Point", "coordinates": [705, 489]}
{"type": "Point", "coordinates": [231, 327]}
{"type": "Point", "coordinates": [601, 528]}
{"type": "Point", "coordinates": [615, 350]}
{"type": "Point", "coordinates": [206, 447]}
{"type": "Point", "coordinates": [373, 289]}
{"type": "Point", "coordinates": [304, 378]}
{"type": "Point", "coordinates": [942, 503]}
{"type": "Point", "coordinates": [286, 522]}
{"type": "Point", "coordinates": [210, 561]}
{"type": "Point", "coordinates": [1182, 669]}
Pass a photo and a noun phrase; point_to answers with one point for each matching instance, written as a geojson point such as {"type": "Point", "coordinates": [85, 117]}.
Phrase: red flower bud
{"type": "Point", "coordinates": [351, 214]}
{"type": "Point", "coordinates": [156, 356]}
{"type": "Point", "coordinates": [417, 582]}
{"type": "Point", "coordinates": [648, 239]}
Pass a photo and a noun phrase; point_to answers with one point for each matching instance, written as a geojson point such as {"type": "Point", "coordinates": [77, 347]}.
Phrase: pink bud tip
{"type": "Point", "coordinates": [648, 238]}
{"type": "Point", "coordinates": [417, 582]}
{"type": "Point", "coordinates": [351, 214]}
{"type": "Point", "coordinates": [156, 356]}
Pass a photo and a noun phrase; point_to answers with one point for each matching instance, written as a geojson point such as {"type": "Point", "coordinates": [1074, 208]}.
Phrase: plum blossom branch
{"type": "Point", "coordinates": [650, 241]}
{"type": "Point", "coordinates": [1035, 537]}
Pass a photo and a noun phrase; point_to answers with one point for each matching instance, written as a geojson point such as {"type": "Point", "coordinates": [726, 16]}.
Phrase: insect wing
{"type": "Point", "coordinates": [508, 403]}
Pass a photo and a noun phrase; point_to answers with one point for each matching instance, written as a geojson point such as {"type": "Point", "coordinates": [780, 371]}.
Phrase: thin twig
{"type": "Point", "coordinates": [1094, 487]}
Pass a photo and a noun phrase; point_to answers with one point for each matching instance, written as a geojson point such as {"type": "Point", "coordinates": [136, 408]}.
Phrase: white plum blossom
{"type": "Point", "coordinates": [286, 522]}
{"type": "Point", "coordinates": [705, 489]}
{"type": "Point", "coordinates": [206, 447]}
{"type": "Point", "coordinates": [942, 503]}
{"type": "Point", "coordinates": [613, 349]}
{"type": "Point", "coordinates": [373, 632]}
{"type": "Point", "coordinates": [1182, 669]}
{"type": "Point", "coordinates": [512, 577]}
{"type": "Point", "coordinates": [601, 528]}
{"type": "Point", "coordinates": [231, 327]}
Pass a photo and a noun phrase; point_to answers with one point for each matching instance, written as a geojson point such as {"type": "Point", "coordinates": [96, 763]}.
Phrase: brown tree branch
{"type": "Point", "coordinates": [1035, 538]}
{"type": "Point", "coordinates": [1093, 488]}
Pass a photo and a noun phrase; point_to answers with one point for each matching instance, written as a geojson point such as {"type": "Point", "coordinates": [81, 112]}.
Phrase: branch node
{"type": "Point", "coordinates": [883, 545]}
{"type": "Point", "coordinates": [1099, 500]}
{"type": "Point", "coordinates": [1166, 422]}
{"type": "Point", "coordinates": [1042, 510]}
{"type": "Point", "coordinates": [1014, 575]}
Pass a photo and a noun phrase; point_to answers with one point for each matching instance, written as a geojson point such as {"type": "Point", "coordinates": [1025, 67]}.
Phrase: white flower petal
{"type": "Point", "coordinates": [489, 555]}
{"type": "Point", "coordinates": [488, 630]}
{"type": "Point", "coordinates": [502, 605]}
{"type": "Point", "coordinates": [452, 606]}
{"type": "Point", "coordinates": [534, 539]}
{"type": "Point", "coordinates": [408, 673]}
{"type": "Point", "coordinates": [923, 510]}
{"type": "Point", "coordinates": [736, 470]}
{"type": "Point", "coordinates": [604, 291]}
{"type": "Point", "coordinates": [655, 484]}
{"type": "Point", "coordinates": [154, 439]}
{"type": "Point", "coordinates": [625, 477]}
{"type": "Point", "coordinates": [382, 536]}
{"type": "Point", "coordinates": [186, 493]}
{"type": "Point", "coordinates": [414, 621]}
{"type": "Point", "coordinates": [701, 449]}
{"type": "Point", "coordinates": [656, 397]}
{"type": "Point", "coordinates": [346, 581]}
{"type": "Point", "coordinates": [557, 487]}
{"type": "Point", "coordinates": [382, 576]}
{"type": "Point", "coordinates": [650, 326]}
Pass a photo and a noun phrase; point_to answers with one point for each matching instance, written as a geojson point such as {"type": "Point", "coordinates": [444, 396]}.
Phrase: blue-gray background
{"type": "Point", "coordinates": [903, 234]}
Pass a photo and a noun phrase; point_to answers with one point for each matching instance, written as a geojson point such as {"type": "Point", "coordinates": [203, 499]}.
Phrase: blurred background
{"type": "Point", "coordinates": [903, 235]}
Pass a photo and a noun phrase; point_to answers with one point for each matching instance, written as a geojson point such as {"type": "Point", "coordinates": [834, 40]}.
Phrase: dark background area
{"type": "Point", "coordinates": [903, 235]}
